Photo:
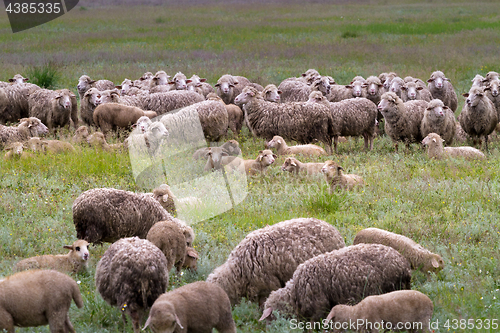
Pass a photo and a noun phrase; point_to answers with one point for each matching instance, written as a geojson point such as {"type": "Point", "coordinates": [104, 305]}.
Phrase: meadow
{"type": "Point", "coordinates": [450, 207]}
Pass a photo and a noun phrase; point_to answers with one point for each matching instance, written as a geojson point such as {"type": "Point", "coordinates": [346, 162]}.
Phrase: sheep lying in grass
{"type": "Point", "coordinates": [81, 135]}
{"type": "Point", "coordinates": [54, 108]}
{"type": "Point", "coordinates": [436, 150]}
{"type": "Point", "coordinates": [251, 167]}
{"type": "Point", "coordinates": [266, 258]}
{"type": "Point", "coordinates": [441, 88]}
{"type": "Point", "coordinates": [294, 166]}
{"type": "Point", "coordinates": [75, 261]}
{"type": "Point", "coordinates": [27, 128]}
{"type": "Point", "coordinates": [410, 308]}
{"type": "Point", "coordinates": [111, 116]}
{"type": "Point", "coordinates": [418, 257]}
{"type": "Point", "coordinates": [439, 119]}
{"type": "Point", "coordinates": [194, 307]}
{"type": "Point", "coordinates": [36, 298]}
{"type": "Point", "coordinates": [283, 149]}
{"type": "Point", "coordinates": [15, 150]}
{"type": "Point", "coordinates": [38, 145]}
{"type": "Point", "coordinates": [336, 178]}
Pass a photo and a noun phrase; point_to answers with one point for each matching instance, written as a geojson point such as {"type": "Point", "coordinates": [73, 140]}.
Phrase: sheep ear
{"type": "Point", "coordinates": [403, 88]}
{"type": "Point", "coordinates": [224, 154]}
{"type": "Point", "coordinates": [434, 140]}
{"type": "Point", "coordinates": [275, 156]}
{"type": "Point", "coordinates": [203, 80]}
{"type": "Point", "coordinates": [147, 323]}
{"type": "Point", "coordinates": [188, 81]}
{"type": "Point", "coordinates": [192, 253]}
{"type": "Point", "coordinates": [178, 321]}
{"type": "Point", "coordinates": [217, 85]}
{"type": "Point", "coordinates": [487, 88]}
{"type": "Point", "coordinates": [118, 87]}
{"type": "Point", "coordinates": [465, 95]}
{"type": "Point", "coordinates": [293, 163]}
{"type": "Point", "coordinates": [348, 87]}
{"type": "Point", "coordinates": [430, 80]}
{"type": "Point", "coordinates": [331, 315]}
{"type": "Point", "coordinates": [280, 92]}
{"type": "Point", "coordinates": [171, 82]}
{"type": "Point", "coordinates": [279, 141]}
{"type": "Point", "coordinates": [235, 82]}
{"type": "Point", "coordinates": [11, 80]}
{"type": "Point", "coordinates": [420, 88]}
{"type": "Point", "coordinates": [267, 312]}
{"type": "Point", "coordinates": [69, 247]}
{"type": "Point", "coordinates": [434, 263]}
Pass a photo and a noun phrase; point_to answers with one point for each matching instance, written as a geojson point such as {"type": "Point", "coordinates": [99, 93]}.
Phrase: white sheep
{"type": "Point", "coordinates": [251, 167]}
{"type": "Point", "coordinates": [441, 88]}
{"type": "Point", "coordinates": [179, 81]}
{"type": "Point", "coordinates": [164, 102]}
{"type": "Point", "coordinates": [143, 124]}
{"type": "Point", "coordinates": [283, 149]}
{"type": "Point", "coordinates": [396, 84]}
{"type": "Point", "coordinates": [14, 101]}
{"type": "Point", "coordinates": [414, 90]}
{"type": "Point", "coordinates": [478, 80]}
{"type": "Point", "coordinates": [15, 150]}
{"type": "Point", "coordinates": [493, 93]}
{"type": "Point", "coordinates": [435, 149]}
{"type": "Point", "coordinates": [336, 179]}
{"type": "Point", "coordinates": [80, 135]}
{"type": "Point", "coordinates": [88, 103]}
{"type": "Point", "coordinates": [374, 89]}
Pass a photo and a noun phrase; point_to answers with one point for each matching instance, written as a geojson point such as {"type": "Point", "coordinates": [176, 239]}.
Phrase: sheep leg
{"type": "Point", "coordinates": [6, 321]}
{"type": "Point", "coordinates": [367, 140]}
{"type": "Point", "coordinates": [335, 142]}
{"type": "Point", "coordinates": [486, 142]}
{"type": "Point", "coordinates": [57, 321]}
{"type": "Point", "coordinates": [68, 326]}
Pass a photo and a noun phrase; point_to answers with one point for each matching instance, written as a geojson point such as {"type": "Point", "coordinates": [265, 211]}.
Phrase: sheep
{"type": "Point", "coordinates": [18, 78]}
{"type": "Point", "coordinates": [191, 259]}
{"type": "Point", "coordinates": [251, 167]}
{"type": "Point", "coordinates": [107, 214]}
{"type": "Point", "coordinates": [231, 147]}
{"type": "Point", "coordinates": [266, 258]}
{"type": "Point", "coordinates": [479, 116]}
{"type": "Point", "coordinates": [111, 116]}
{"type": "Point", "coordinates": [36, 298]}
{"type": "Point", "coordinates": [132, 274]}
{"type": "Point", "coordinates": [164, 102]}
{"type": "Point", "coordinates": [341, 276]}
{"type": "Point", "coordinates": [478, 80]}
{"type": "Point", "coordinates": [229, 86]}
{"type": "Point", "coordinates": [196, 307]}
{"type": "Point", "coordinates": [396, 84]}
{"type": "Point", "coordinates": [98, 140]}
{"type": "Point", "coordinates": [402, 120]}
{"type": "Point", "coordinates": [179, 81]}
{"type": "Point", "coordinates": [350, 117]}
{"type": "Point", "coordinates": [160, 79]}
{"type": "Point", "coordinates": [205, 87]}
{"type": "Point", "coordinates": [294, 166]}
{"type": "Point", "coordinates": [418, 257]}
{"type": "Point", "coordinates": [401, 308]}
{"type": "Point", "coordinates": [492, 91]}
{"type": "Point", "coordinates": [439, 119]}
{"type": "Point", "coordinates": [113, 96]}
{"type": "Point", "coordinates": [283, 149]}
{"type": "Point", "coordinates": [38, 145]}
{"type": "Point", "coordinates": [441, 88]}
{"type": "Point", "coordinates": [75, 261]}
{"type": "Point", "coordinates": [144, 81]}
{"type": "Point", "coordinates": [191, 86]}
{"type": "Point", "coordinates": [88, 103]}
{"type": "Point", "coordinates": [352, 90]}
{"type": "Point", "coordinates": [14, 150]}
{"type": "Point", "coordinates": [85, 83]}
{"type": "Point", "coordinates": [490, 76]}
{"type": "Point", "coordinates": [214, 158]}
{"type": "Point", "coordinates": [81, 135]}
{"type": "Point", "coordinates": [234, 113]}
{"type": "Point", "coordinates": [299, 91]}
{"type": "Point", "coordinates": [413, 91]}
{"type": "Point", "coordinates": [14, 101]}
{"type": "Point", "coordinates": [54, 108]}
{"type": "Point", "coordinates": [436, 150]}
{"type": "Point", "coordinates": [336, 178]}
{"type": "Point", "coordinates": [297, 121]}
{"type": "Point", "coordinates": [386, 79]}
{"type": "Point", "coordinates": [374, 89]}
{"type": "Point", "coordinates": [27, 128]}
{"type": "Point", "coordinates": [271, 93]}
{"type": "Point", "coordinates": [143, 124]}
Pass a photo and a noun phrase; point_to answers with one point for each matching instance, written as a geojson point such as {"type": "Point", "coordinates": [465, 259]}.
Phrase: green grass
{"type": "Point", "coordinates": [450, 207]}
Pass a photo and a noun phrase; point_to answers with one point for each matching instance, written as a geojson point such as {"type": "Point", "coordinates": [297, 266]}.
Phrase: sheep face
{"type": "Point", "coordinates": [80, 249]}
{"type": "Point", "coordinates": [331, 169]}
{"type": "Point", "coordinates": [396, 85]}
{"type": "Point", "coordinates": [161, 78]}
{"type": "Point", "coordinates": [276, 142]}
{"type": "Point", "coordinates": [35, 126]}
{"type": "Point", "coordinates": [180, 81]}
{"type": "Point", "coordinates": [357, 87]}
{"type": "Point", "coordinates": [143, 124]}
{"type": "Point", "coordinates": [92, 95]}
{"type": "Point", "coordinates": [96, 139]}
{"type": "Point", "coordinates": [215, 155]}
{"type": "Point", "coordinates": [478, 81]}
{"type": "Point", "coordinates": [158, 131]}
{"type": "Point", "coordinates": [436, 110]}
{"type": "Point", "coordinates": [18, 78]}
{"type": "Point", "coordinates": [432, 139]}
{"type": "Point", "coordinates": [126, 85]}
{"type": "Point", "coordinates": [317, 97]}
{"type": "Point", "coordinates": [373, 88]}
{"type": "Point", "coordinates": [162, 318]}
{"type": "Point", "coordinates": [64, 98]}
{"type": "Point", "coordinates": [491, 76]}
{"type": "Point", "coordinates": [474, 97]}
{"type": "Point", "coordinates": [290, 165]}
{"type": "Point", "coordinates": [386, 104]}
{"type": "Point", "coordinates": [411, 90]}
{"type": "Point", "coordinates": [266, 157]}
{"type": "Point", "coordinates": [437, 79]}
{"type": "Point", "coordinates": [16, 148]}
{"type": "Point", "coordinates": [246, 95]}
{"type": "Point", "coordinates": [108, 96]}
{"type": "Point", "coordinates": [436, 264]}
{"type": "Point", "coordinates": [493, 88]}
{"type": "Point", "coordinates": [272, 94]}
{"type": "Point", "coordinates": [323, 85]}
{"type": "Point", "coordinates": [36, 145]}
{"type": "Point", "coordinates": [84, 83]}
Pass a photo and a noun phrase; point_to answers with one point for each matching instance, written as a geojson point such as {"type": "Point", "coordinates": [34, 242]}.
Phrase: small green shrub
{"type": "Point", "coordinates": [45, 76]}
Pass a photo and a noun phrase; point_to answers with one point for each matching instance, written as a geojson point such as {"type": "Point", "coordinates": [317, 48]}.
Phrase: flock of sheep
{"type": "Point", "coordinates": [299, 267]}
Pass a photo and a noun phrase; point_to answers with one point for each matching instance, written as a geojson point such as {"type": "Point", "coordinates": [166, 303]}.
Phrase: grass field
{"type": "Point", "coordinates": [450, 207]}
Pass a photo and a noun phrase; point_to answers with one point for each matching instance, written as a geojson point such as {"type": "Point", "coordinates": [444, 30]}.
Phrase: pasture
{"type": "Point", "coordinates": [450, 207]}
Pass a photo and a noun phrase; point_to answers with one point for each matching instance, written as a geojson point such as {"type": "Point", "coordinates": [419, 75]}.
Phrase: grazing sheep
{"type": "Point", "coordinates": [205, 87]}
{"type": "Point", "coordinates": [88, 104]}
{"type": "Point", "coordinates": [493, 93]}
{"type": "Point", "coordinates": [271, 93]}
{"type": "Point", "coordinates": [132, 274]}
{"type": "Point", "coordinates": [342, 276]}
{"type": "Point", "coordinates": [27, 128]}
{"type": "Point", "coordinates": [191, 259]}
{"type": "Point", "coordinates": [197, 307]}
{"type": "Point", "coordinates": [479, 116]}
{"type": "Point", "coordinates": [14, 150]}
{"type": "Point", "coordinates": [402, 120]}
{"type": "Point", "coordinates": [418, 257]}
{"type": "Point", "coordinates": [54, 108]}
{"type": "Point", "coordinates": [336, 178]}
{"type": "Point", "coordinates": [164, 102]}
{"type": "Point", "coordinates": [350, 117]}
{"type": "Point", "coordinates": [75, 261]}
{"type": "Point", "coordinates": [294, 166]}
{"type": "Point", "coordinates": [98, 140]}
{"type": "Point", "coordinates": [439, 119]}
{"type": "Point", "coordinates": [401, 308]}
{"type": "Point", "coordinates": [111, 116]}
{"type": "Point", "coordinates": [266, 258]}
{"type": "Point", "coordinates": [436, 150]}
{"type": "Point", "coordinates": [36, 298]}
{"type": "Point", "coordinates": [374, 89]}
{"type": "Point", "coordinates": [251, 167]}
{"type": "Point", "coordinates": [283, 149]}
{"type": "Point", "coordinates": [107, 214]}
{"type": "Point", "coordinates": [81, 135]}
{"type": "Point", "coordinates": [85, 83]}
{"type": "Point", "coordinates": [299, 121]}
{"type": "Point", "coordinates": [413, 91]}
{"type": "Point", "coordinates": [38, 145]}
{"type": "Point", "coordinates": [441, 88]}
{"type": "Point", "coordinates": [14, 101]}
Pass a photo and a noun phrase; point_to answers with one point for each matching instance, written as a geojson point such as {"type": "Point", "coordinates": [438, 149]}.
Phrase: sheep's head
{"type": "Point", "coordinates": [437, 79]}
{"type": "Point", "coordinates": [411, 89]}
{"type": "Point", "coordinates": [108, 96]}
{"type": "Point", "coordinates": [162, 318]}
{"type": "Point", "coordinates": [197, 80]}
{"type": "Point", "coordinates": [432, 139]}
{"type": "Point", "coordinates": [331, 169]}
{"type": "Point", "coordinates": [266, 157]}
{"type": "Point", "coordinates": [36, 145]}
{"type": "Point", "coordinates": [34, 125]}
{"type": "Point", "coordinates": [92, 96]}
{"type": "Point", "coordinates": [225, 84]}
{"type": "Point", "coordinates": [322, 84]}
{"type": "Point", "coordinates": [82, 132]}
{"type": "Point", "coordinates": [80, 250]}
{"type": "Point", "coordinates": [276, 142]}
{"type": "Point", "coordinates": [396, 85]}
{"type": "Point", "coordinates": [491, 76]}
{"type": "Point", "coordinates": [180, 81]}
{"type": "Point", "coordinates": [160, 78]}
{"type": "Point", "coordinates": [143, 124]}
{"type": "Point", "coordinates": [84, 83]}
{"type": "Point", "coordinates": [157, 131]}
{"type": "Point", "coordinates": [387, 102]}
{"type": "Point", "coordinates": [434, 263]}
{"type": "Point", "coordinates": [191, 259]}
{"type": "Point", "coordinates": [162, 194]}
{"type": "Point", "coordinates": [97, 139]}
{"type": "Point", "coordinates": [64, 98]}
{"type": "Point", "coordinates": [215, 155]}
{"type": "Point", "coordinates": [18, 78]}
{"type": "Point", "coordinates": [17, 148]}
{"type": "Point", "coordinates": [317, 97]}
{"type": "Point", "coordinates": [387, 79]}
{"type": "Point", "coordinates": [232, 147]}
{"type": "Point", "coordinates": [357, 86]}
{"type": "Point", "coordinates": [290, 165]}
{"type": "Point", "coordinates": [478, 80]}
{"type": "Point", "coordinates": [339, 313]}
{"type": "Point", "coordinates": [248, 94]}
{"type": "Point", "coordinates": [436, 110]}
{"type": "Point", "coordinates": [493, 87]}
{"type": "Point", "coordinates": [271, 93]}
{"type": "Point", "coordinates": [125, 86]}
{"type": "Point", "coordinates": [474, 96]}
{"type": "Point", "coordinates": [146, 76]}
{"type": "Point", "coordinates": [372, 85]}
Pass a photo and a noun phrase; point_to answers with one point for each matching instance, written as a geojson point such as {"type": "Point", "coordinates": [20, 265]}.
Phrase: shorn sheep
{"type": "Point", "coordinates": [296, 167]}
{"type": "Point", "coordinates": [299, 121]}
{"type": "Point", "coordinates": [479, 116]}
{"type": "Point", "coordinates": [27, 128]}
{"type": "Point", "coordinates": [336, 179]}
{"type": "Point", "coordinates": [36, 298]}
{"type": "Point", "coordinates": [75, 261]}
{"type": "Point", "coordinates": [418, 257]}
{"type": "Point", "coordinates": [197, 307]}
{"type": "Point", "coordinates": [343, 276]}
{"type": "Point", "coordinates": [439, 119]}
{"type": "Point", "coordinates": [54, 108]}
{"type": "Point", "coordinates": [402, 120]}
{"type": "Point", "coordinates": [132, 274]}
{"type": "Point", "coordinates": [407, 309]}
{"type": "Point", "coordinates": [112, 116]}
{"type": "Point", "coordinates": [435, 149]}
{"type": "Point", "coordinates": [266, 258]}
{"type": "Point", "coordinates": [283, 149]}
{"type": "Point", "coordinates": [441, 88]}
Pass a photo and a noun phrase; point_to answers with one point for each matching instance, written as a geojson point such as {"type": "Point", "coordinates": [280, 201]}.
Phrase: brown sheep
{"type": "Point", "coordinates": [336, 178]}
{"type": "Point", "coordinates": [111, 116]}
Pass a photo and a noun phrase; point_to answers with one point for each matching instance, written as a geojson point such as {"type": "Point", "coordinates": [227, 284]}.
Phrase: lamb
{"type": "Point", "coordinates": [479, 116]}
{"type": "Point", "coordinates": [271, 93]}
{"type": "Point", "coordinates": [402, 120]}
{"type": "Point", "coordinates": [234, 113]}
{"type": "Point", "coordinates": [266, 258]}
{"type": "Point", "coordinates": [36, 298]}
{"type": "Point", "coordinates": [196, 307]}
{"type": "Point", "coordinates": [88, 103]}
{"type": "Point", "coordinates": [231, 147]}
{"type": "Point", "coordinates": [81, 135]}
{"type": "Point", "coordinates": [28, 127]}
{"type": "Point", "coordinates": [205, 87]}
{"type": "Point", "coordinates": [418, 257]}
{"type": "Point", "coordinates": [409, 308]}
{"type": "Point", "coordinates": [54, 108]}
{"type": "Point", "coordinates": [14, 101]}
{"type": "Point", "coordinates": [132, 274]}
{"type": "Point", "coordinates": [98, 140]}
{"type": "Point", "coordinates": [75, 261]}
{"type": "Point", "coordinates": [14, 150]}
{"type": "Point", "coordinates": [164, 102]}
{"type": "Point", "coordinates": [296, 167]}
{"type": "Point", "coordinates": [85, 83]}
{"type": "Point", "coordinates": [436, 150]}
{"type": "Point", "coordinates": [336, 178]}
{"type": "Point", "coordinates": [49, 146]}
{"type": "Point", "coordinates": [214, 158]}
{"type": "Point", "coordinates": [342, 276]}
{"type": "Point", "coordinates": [143, 124]}
{"type": "Point", "coordinates": [297, 121]}
{"type": "Point", "coordinates": [441, 88]}
{"type": "Point", "coordinates": [111, 116]}
{"type": "Point", "coordinates": [283, 149]}
{"type": "Point", "coordinates": [439, 119]}
{"type": "Point", "coordinates": [413, 91]}
{"type": "Point", "coordinates": [251, 167]}
{"type": "Point", "coordinates": [107, 214]}
{"type": "Point", "coordinates": [374, 89]}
